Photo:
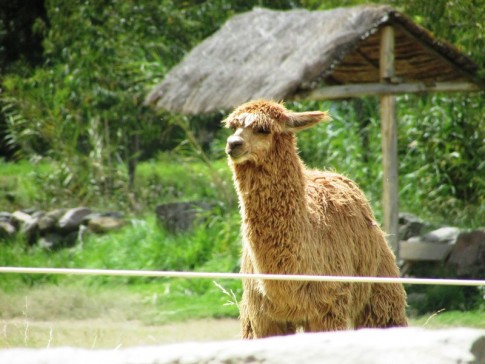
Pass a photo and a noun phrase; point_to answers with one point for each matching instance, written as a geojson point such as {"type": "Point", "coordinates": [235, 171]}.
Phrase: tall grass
{"type": "Point", "coordinates": [143, 245]}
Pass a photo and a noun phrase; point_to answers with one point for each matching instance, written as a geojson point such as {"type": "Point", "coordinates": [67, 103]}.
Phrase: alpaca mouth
{"type": "Point", "coordinates": [237, 155]}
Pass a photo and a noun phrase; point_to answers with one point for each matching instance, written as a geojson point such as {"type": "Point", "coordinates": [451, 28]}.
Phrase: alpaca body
{"type": "Point", "coordinates": [299, 221]}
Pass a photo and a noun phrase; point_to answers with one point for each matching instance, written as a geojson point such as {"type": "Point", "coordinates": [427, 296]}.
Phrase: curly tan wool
{"type": "Point", "coordinates": [300, 221]}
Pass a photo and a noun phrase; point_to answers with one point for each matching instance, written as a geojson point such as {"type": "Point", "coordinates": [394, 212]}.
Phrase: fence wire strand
{"type": "Point", "coordinates": [219, 275]}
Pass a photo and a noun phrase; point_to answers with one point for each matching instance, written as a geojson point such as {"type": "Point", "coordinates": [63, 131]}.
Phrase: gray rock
{"type": "Point", "coordinates": [19, 218]}
{"type": "Point", "coordinates": [411, 225]}
{"type": "Point", "coordinates": [94, 215]}
{"type": "Point", "coordinates": [49, 221]}
{"type": "Point", "coordinates": [54, 241]}
{"type": "Point", "coordinates": [444, 235]}
{"type": "Point", "coordinates": [31, 230]}
{"type": "Point", "coordinates": [370, 346]}
{"type": "Point", "coordinates": [73, 218]}
{"type": "Point", "coordinates": [6, 229]}
{"type": "Point", "coordinates": [467, 257]}
{"type": "Point", "coordinates": [181, 216]}
{"type": "Point", "coordinates": [50, 241]}
{"type": "Point", "coordinates": [104, 224]}
{"type": "Point", "coordinates": [5, 216]}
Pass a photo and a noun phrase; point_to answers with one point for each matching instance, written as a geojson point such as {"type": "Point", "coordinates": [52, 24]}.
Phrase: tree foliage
{"type": "Point", "coordinates": [74, 83]}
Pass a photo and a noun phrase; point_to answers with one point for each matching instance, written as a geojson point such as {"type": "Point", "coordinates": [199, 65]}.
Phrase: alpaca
{"type": "Point", "coordinates": [301, 221]}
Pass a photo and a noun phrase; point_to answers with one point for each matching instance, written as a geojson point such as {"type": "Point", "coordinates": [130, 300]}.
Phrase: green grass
{"type": "Point", "coordinates": [213, 245]}
{"type": "Point", "coordinates": [155, 303]}
{"type": "Point", "coordinates": [142, 245]}
{"type": "Point", "coordinates": [446, 319]}
{"type": "Point", "coordinates": [168, 178]}
{"type": "Point", "coordinates": [17, 184]}
{"type": "Point", "coordinates": [111, 316]}
{"type": "Point", "coordinates": [173, 178]}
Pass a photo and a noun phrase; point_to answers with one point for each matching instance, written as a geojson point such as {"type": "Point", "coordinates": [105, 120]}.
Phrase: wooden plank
{"type": "Point", "coordinates": [423, 251]}
{"type": "Point", "coordinates": [377, 89]}
{"type": "Point", "coordinates": [390, 192]}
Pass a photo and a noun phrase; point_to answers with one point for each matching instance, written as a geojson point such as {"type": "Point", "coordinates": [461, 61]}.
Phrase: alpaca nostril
{"type": "Point", "coordinates": [233, 143]}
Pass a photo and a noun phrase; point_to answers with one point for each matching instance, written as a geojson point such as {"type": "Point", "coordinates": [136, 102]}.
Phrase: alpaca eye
{"type": "Point", "coordinates": [262, 130]}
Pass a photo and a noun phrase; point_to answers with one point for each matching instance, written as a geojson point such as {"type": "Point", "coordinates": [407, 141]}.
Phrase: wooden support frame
{"type": "Point", "coordinates": [378, 89]}
{"type": "Point", "coordinates": [389, 125]}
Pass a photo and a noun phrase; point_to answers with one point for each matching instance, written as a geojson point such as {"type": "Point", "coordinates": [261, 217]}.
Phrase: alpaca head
{"type": "Point", "coordinates": [258, 126]}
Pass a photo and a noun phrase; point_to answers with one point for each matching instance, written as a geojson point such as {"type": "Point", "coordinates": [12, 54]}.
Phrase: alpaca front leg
{"type": "Point", "coordinates": [255, 322]}
{"type": "Point", "coordinates": [332, 321]}
{"type": "Point", "coordinates": [386, 307]}
{"type": "Point", "coordinates": [264, 326]}
{"type": "Point", "coordinates": [246, 328]}
{"type": "Point", "coordinates": [261, 325]}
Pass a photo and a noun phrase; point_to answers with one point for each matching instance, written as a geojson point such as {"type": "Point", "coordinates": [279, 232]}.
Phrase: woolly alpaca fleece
{"type": "Point", "coordinates": [300, 221]}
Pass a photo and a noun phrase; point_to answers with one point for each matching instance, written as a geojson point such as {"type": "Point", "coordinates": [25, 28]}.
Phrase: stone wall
{"type": "Point", "coordinates": [377, 346]}
{"type": "Point", "coordinates": [65, 227]}
{"type": "Point", "coordinates": [456, 252]}
{"type": "Point", "coordinates": [58, 228]}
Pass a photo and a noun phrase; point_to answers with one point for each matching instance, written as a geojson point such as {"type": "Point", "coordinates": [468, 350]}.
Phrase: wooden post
{"type": "Point", "coordinates": [390, 195]}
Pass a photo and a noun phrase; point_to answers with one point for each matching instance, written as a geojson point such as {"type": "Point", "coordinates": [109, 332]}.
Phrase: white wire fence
{"type": "Point", "coordinates": [219, 275]}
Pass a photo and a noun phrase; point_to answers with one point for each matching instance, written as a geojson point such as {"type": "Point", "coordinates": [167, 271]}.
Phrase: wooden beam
{"type": "Point", "coordinates": [390, 192]}
{"type": "Point", "coordinates": [377, 89]}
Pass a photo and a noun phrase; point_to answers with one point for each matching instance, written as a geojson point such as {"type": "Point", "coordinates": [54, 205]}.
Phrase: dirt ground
{"type": "Point", "coordinates": [109, 334]}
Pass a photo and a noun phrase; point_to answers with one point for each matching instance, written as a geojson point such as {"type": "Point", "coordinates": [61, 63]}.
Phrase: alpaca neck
{"type": "Point", "coordinates": [273, 204]}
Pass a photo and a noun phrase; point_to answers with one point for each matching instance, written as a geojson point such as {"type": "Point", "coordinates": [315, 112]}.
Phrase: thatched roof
{"type": "Point", "coordinates": [278, 54]}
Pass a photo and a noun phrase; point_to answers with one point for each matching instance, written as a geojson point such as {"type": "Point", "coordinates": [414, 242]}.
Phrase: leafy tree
{"type": "Point", "coordinates": [22, 27]}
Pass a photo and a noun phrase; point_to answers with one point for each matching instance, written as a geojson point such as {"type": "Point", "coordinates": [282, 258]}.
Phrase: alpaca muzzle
{"type": "Point", "coordinates": [234, 146]}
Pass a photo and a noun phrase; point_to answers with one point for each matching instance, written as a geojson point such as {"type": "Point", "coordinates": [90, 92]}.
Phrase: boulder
{"type": "Point", "coordinates": [410, 225]}
{"type": "Point", "coordinates": [50, 241]}
{"type": "Point", "coordinates": [444, 235]}
{"type": "Point", "coordinates": [433, 246]}
{"type": "Point", "coordinates": [6, 229]}
{"type": "Point", "coordinates": [54, 241]}
{"type": "Point", "coordinates": [5, 216]}
{"type": "Point", "coordinates": [105, 224]}
{"type": "Point", "coordinates": [31, 230]}
{"type": "Point", "coordinates": [467, 257]}
{"type": "Point", "coordinates": [368, 346]}
{"type": "Point", "coordinates": [73, 218]}
{"type": "Point", "coordinates": [49, 221]}
{"type": "Point", "coordinates": [20, 218]}
{"type": "Point", "coordinates": [180, 216]}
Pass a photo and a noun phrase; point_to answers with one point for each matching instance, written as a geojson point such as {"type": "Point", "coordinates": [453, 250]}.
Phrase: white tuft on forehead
{"type": "Point", "coordinates": [247, 119]}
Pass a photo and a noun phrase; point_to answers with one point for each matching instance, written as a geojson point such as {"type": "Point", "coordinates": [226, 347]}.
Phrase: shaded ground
{"type": "Point", "coordinates": [99, 333]}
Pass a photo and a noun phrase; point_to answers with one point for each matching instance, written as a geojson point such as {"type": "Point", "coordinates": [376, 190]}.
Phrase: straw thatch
{"type": "Point", "coordinates": [279, 54]}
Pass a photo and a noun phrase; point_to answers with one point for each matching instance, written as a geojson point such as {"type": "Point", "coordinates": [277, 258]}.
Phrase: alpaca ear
{"type": "Point", "coordinates": [303, 120]}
